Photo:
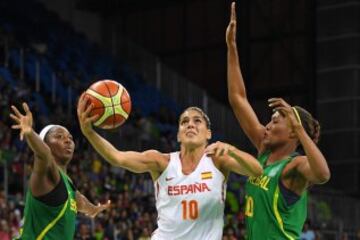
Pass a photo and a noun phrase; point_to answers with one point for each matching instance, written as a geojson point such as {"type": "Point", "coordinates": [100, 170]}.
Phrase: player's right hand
{"type": "Point", "coordinates": [217, 149]}
{"type": "Point", "coordinates": [231, 28]}
{"type": "Point", "coordinates": [99, 208]}
{"type": "Point", "coordinates": [22, 122]}
{"type": "Point", "coordinates": [83, 110]}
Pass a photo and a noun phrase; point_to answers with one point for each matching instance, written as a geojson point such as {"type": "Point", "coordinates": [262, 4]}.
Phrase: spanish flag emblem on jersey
{"type": "Point", "coordinates": [206, 175]}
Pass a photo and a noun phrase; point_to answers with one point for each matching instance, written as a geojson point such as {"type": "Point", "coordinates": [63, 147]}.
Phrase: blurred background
{"type": "Point", "coordinates": [170, 54]}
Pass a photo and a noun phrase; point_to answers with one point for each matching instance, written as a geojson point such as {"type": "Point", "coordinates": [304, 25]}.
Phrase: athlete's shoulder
{"type": "Point", "coordinates": [298, 160]}
{"type": "Point", "coordinates": [157, 156]}
{"type": "Point", "coordinates": [155, 153]}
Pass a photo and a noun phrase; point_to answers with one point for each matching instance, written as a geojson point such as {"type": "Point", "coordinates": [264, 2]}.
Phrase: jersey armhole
{"type": "Point", "coordinates": [166, 169]}
{"type": "Point", "coordinates": [218, 170]}
{"type": "Point", "coordinates": [289, 196]}
{"type": "Point", "coordinates": [55, 197]}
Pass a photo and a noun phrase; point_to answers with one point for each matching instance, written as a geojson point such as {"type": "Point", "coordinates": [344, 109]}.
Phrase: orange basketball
{"type": "Point", "coordinates": [111, 102]}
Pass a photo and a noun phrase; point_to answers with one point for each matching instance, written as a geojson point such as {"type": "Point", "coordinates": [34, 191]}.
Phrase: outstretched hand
{"type": "Point", "coordinates": [22, 122]}
{"type": "Point", "coordinates": [231, 28]}
{"type": "Point", "coordinates": [290, 113]}
{"type": "Point", "coordinates": [99, 208]}
{"type": "Point", "coordinates": [83, 112]}
{"type": "Point", "coordinates": [218, 149]}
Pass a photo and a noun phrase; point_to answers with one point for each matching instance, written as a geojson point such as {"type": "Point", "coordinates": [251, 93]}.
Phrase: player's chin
{"type": "Point", "coordinates": [192, 142]}
{"type": "Point", "coordinates": [267, 142]}
{"type": "Point", "coordinates": [64, 160]}
{"type": "Point", "coordinates": [272, 144]}
{"type": "Point", "coordinates": [187, 143]}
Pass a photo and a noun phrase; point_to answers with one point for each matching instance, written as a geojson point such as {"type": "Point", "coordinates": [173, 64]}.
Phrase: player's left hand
{"type": "Point", "coordinates": [280, 105]}
{"type": "Point", "coordinates": [99, 208]}
{"type": "Point", "coordinates": [231, 28]}
{"type": "Point", "coordinates": [218, 149]}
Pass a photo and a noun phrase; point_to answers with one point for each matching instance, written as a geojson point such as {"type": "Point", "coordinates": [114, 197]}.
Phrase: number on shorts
{"type": "Point", "coordinates": [249, 206]}
{"type": "Point", "coordinates": [190, 209]}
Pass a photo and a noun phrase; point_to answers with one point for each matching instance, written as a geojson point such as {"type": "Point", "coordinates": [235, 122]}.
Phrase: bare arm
{"type": "Point", "coordinates": [314, 167]}
{"type": "Point", "coordinates": [86, 207]}
{"type": "Point", "coordinates": [138, 162]}
{"type": "Point", "coordinates": [235, 160]}
{"type": "Point", "coordinates": [43, 160]}
{"type": "Point", "coordinates": [236, 88]}
{"type": "Point", "coordinates": [42, 152]}
{"type": "Point", "coordinates": [24, 123]}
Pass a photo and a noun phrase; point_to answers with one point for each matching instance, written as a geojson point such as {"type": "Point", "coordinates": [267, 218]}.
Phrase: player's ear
{"type": "Point", "coordinates": [178, 137]}
{"type": "Point", "coordinates": [208, 135]}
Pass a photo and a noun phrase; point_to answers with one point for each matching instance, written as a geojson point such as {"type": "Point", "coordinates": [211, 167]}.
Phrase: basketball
{"type": "Point", "coordinates": [111, 102]}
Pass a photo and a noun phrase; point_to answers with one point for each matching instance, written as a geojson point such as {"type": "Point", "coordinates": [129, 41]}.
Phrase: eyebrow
{"type": "Point", "coordinates": [187, 117]}
{"type": "Point", "coordinates": [58, 132]}
{"type": "Point", "coordinates": [194, 117]}
{"type": "Point", "coordinates": [61, 131]}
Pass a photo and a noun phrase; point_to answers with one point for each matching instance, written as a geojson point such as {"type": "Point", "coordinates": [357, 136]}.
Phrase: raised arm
{"type": "Point", "coordinates": [43, 158]}
{"type": "Point", "coordinates": [236, 88]}
{"type": "Point", "coordinates": [231, 159]}
{"type": "Point", "coordinates": [149, 161]}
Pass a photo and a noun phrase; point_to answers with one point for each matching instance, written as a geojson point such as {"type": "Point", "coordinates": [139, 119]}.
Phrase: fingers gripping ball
{"type": "Point", "coordinates": [111, 102]}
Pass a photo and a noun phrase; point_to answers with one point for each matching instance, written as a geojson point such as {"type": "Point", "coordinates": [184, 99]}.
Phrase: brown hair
{"type": "Point", "coordinates": [310, 124]}
{"type": "Point", "coordinates": [202, 113]}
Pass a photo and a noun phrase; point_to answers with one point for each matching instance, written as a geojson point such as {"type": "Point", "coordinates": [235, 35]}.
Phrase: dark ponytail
{"type": "Point", "coordinates": [310, 124]}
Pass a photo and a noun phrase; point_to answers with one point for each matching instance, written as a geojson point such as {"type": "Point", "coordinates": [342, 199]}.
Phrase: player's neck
{"type": "Point", "coordinates": [191, 156]}
{"type": "Point", "coordinates": [62, 164]}
{"type": "Point", "coordinates": [62, 167]}
{"type": "Point", "coordinates": [280, 153]}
